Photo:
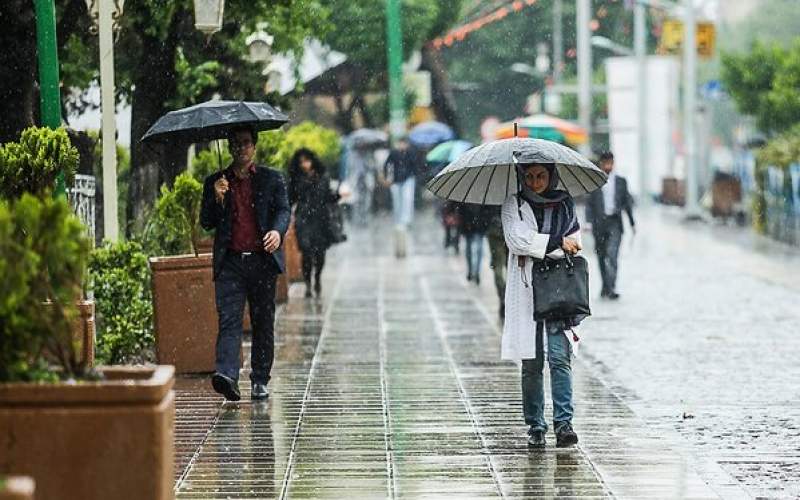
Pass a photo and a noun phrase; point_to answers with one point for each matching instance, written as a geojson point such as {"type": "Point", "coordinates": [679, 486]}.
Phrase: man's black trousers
{"type": "Point", "coordinates": [251, 277]}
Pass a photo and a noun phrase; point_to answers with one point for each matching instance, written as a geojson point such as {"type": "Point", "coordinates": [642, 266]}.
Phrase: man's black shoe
{"type": "Point", "coordinates": [613, 295]}
{"type": "Point", "coordinates": [565, 436]}
{"type": "Point", "coordinates": [258, 391]}
{"type": "Point", "coordinates": [226, 386]}
{"type": "Point", "coordinates": [536, 439]}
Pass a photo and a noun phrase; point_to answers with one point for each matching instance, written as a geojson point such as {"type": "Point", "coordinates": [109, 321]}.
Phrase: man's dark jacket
{"type": "Point", "coordinates": [595, 206]}
{"type": "Point", "coordinates": [271, 206]}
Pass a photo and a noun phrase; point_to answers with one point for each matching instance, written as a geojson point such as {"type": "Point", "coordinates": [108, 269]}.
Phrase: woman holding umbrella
{"type": "Point", "coordinates": [539, 222]}
{"type": "Point", "coordinates": [534, 180]}
{"type": "Point", "coordinates": [310, 194]}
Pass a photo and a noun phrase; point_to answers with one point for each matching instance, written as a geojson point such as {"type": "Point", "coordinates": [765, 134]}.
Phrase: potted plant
{"type": "Point", "coordinates": [78, 432]}
{"type": "Point", "coordinates": [33, 165]}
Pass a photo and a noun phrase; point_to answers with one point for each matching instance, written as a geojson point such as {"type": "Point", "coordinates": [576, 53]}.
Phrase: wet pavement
{"type": "Point", "coordinates": [391, 387]}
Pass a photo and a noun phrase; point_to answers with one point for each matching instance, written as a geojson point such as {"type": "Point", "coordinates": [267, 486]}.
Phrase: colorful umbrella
{"type": "Point", "coordinates": [430, 133]}
{"type": "Point", "coordinates": [547, 127]}
{"type": "Point", "coordinates": [447, 152]}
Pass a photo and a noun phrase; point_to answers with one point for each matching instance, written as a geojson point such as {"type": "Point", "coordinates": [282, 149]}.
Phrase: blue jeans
{"type": "Point", "coordinates": [403, 202]}
{"type": "Point", "coordinates": [252, 278]}
{"type": "Point", "coordinates": [474, 253]}
{"type": "Point", "coordinates": [558, 357]}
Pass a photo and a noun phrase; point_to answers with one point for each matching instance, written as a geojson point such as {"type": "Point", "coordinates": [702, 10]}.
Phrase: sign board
{"type": "Point", "coordinates": [419, 83]}
{"type": "Point", "coordinates": [671, 41]}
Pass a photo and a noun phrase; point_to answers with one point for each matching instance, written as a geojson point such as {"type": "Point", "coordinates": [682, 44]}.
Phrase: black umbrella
{"type": "Point", "coordinates": [212, 120]}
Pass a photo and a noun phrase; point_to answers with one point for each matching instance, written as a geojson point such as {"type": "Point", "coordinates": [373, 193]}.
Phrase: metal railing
{"type": "Point", "coordinates": [81, 198]}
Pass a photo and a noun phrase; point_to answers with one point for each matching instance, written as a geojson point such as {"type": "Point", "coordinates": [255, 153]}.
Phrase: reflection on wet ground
{"type": "Point", "coordinates": [391, 386]}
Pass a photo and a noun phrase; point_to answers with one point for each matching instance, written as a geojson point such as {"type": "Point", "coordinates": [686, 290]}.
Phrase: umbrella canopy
{"type": "Point", "coordinates": [212, 120]}
{"type": "Point", "coordinates": [365, 138]}
{"type": "Point", "coordinates": [547, 127]}
{"type": "Point", "coordinates": [447, 152]}
{"type": "Point", "coordinates": [487, 175]}
{"type": "Point", "coordinates": [429, 134]}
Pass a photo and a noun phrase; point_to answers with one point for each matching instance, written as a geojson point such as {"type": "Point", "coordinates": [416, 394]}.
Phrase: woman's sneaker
{"type": "Point", "coordinates": [536, 438]}
{"type": "Point", "coordinates": [565, 436]}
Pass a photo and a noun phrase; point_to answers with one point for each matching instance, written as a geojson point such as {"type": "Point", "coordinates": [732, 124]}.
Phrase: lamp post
{"type": "Point", "coordinates": [640, 49]}
{"type": "Point", "coordinates": [106, 13]}
{"type": "Point", "coordinates": [584, 72]}
{"type": "Point", "coordinates": [208, 15]}
{"type": "Point", "coordinates": [49, 93]}
{"type": "Point", "coordinates": [692, 208]}
{"type": "Point", "coordinates": [394, 53]}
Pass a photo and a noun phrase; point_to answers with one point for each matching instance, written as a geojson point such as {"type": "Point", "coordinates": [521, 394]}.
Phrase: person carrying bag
{"type": "Point", "coordinates": [544, 298]}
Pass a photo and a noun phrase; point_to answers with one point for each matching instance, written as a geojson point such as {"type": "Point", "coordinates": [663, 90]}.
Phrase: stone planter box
{"type": "Point", "coordinates": [673, 191]}
{"type": "Point", "coordinates": [92, 440]}
{"type": "Point", "coordinates": [293, 256]}
{"type": "Point", "coordinates": [184, 312]}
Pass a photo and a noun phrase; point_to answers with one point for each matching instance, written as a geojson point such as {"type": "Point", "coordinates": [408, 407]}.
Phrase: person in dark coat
{"type": "Point", "coordinates": [247, 208]}
{"type": "Point", "coordinates": [604, 212]}
{"type": "Point", "coordinates": [310, 195]}
{"type": "Point", "coordinates": [474, 222]}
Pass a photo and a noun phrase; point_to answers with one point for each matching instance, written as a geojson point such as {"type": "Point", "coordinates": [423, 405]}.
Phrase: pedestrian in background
{"type": "Point", "coordinates": [475, 221]}
{"type": "Point", "coordinates": [539, 221]}
{"type": "Point", "coordinates": [498, 252]}
{"type": "Point", "coordinates": [399, 174]}
{"type": "Point", "coordinates": [604, 212]}
{"type": "Point", "coordinates": [451, 223]}
{"type": "Point", "coordinates": [247, 208]}
{"type": "Point", "coordinates": [361, 176]}
{"type": "Point", "coordinates": [310, 195]}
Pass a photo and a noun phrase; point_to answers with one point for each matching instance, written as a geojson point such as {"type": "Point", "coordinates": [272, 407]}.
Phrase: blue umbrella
{"type": "Point", "coordinates": [429, 134]}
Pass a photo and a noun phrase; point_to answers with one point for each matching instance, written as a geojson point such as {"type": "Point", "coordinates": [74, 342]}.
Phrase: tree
{"type": "Point", "coordinates": [765, 83]}
{"type": "Point", "coordinates": [361, 35]}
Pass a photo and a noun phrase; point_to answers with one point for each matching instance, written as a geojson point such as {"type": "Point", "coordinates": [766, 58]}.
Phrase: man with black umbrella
{"type": "Point", "coordinates": [247, 207]}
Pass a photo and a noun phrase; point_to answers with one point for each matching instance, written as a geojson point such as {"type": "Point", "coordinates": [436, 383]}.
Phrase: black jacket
{"type": "Point", "coordinates": [595, 206]}
{"type": "Point", "coordinates": [272, 212]}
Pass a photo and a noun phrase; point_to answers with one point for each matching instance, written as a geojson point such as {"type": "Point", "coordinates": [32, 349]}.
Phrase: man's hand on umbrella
{"type": "Point", "coordinates": [220, 188]}
{"type": "Point", "coordinates": [272, 240]}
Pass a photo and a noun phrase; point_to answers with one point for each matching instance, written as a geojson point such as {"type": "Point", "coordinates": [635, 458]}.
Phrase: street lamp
{"type": "Point", "coordinates": [260, 45]}
{"type": "Point", "coordinates": [606, 43]}
{"type": "Point", "coordinates": [208, 15]}
{"type": "Point", "coordinates": [106, 14]}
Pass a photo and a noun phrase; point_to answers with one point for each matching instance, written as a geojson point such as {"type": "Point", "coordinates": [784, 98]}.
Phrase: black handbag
{"type": "Point", "coordinates": [560, 288]}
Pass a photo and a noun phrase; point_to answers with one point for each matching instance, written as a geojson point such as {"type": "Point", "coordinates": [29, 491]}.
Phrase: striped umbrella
{"type": "Point", "coordinates": [487, 174]}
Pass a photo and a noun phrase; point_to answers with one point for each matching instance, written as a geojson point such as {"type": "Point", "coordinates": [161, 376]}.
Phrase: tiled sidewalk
{"type": "Point", "coordinates": [393, 387]}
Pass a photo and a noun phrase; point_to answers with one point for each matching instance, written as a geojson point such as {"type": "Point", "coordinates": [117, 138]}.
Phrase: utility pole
{"type": "Point", "coordinates": [49, 92]}
{"type": "Point", "coordinates": [558, 40]}
{"type": "Point", "coordinates": [692, 208]}
{"type": "Point", "coordinates": [640, 49]}
{"type": "Point", "coordinates": [584, 72]}
{"type": "Point", "coordinates": [106, 35]}
{"type": "Point", "coordinates": [394, 49]}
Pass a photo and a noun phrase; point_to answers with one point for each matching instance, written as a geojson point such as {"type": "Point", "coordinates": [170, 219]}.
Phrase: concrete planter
{"type": "Point", "coordinates": [293, 257]}
{"type": "Point", "coordinates": [184, 312]}
{"type": "Point", "coordinates": [673, 191]}
{"type": "Point", "coordinates": [92, 440]}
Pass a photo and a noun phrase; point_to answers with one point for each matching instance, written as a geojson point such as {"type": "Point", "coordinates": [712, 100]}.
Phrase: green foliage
{"type": "Point", "coordinates": [269, 146]}
{"type": "Point", "coordinates": [123, 303]}
{"type": "Point", "coordinates": [207, 161]}
{"type": "Point", "coordinates": [324, 142]}
{"type": "Point", "coordinates": [781, 152]}
{"type": "Point", "coordinates": [765, 83]}
{"type": "Point", "coordinates": [174, 224]}
{"type": "Point", "coordinates": [43, 254]}
{"type": "Point", "coordinates": [32, 164]}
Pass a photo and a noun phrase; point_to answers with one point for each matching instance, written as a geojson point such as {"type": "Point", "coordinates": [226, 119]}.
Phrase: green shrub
{"type": "Point", "coordinates": [32, 164]}
{"type": "Point", "coordinates": [207, 162]}
{"type": "Point", "coordinates": [276, 147]}
{"type": "Point", "coordinates": [43, 254]}
{"type": "Point", "coordinates": [174, 224]}
{"type": "Point", "coordinates": [123, 303]}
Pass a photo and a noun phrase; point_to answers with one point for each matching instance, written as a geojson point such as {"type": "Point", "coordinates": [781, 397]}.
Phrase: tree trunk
{"type": "Point", "coordinates": [443, 102]}
{"type": "Point", "coordinates": [17, 69]}
{"type": "Point", "coordinates": [154, 83]}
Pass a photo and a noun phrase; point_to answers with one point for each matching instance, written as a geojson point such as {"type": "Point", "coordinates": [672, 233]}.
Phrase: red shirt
{"type": "Point", "coordinates": [244, 235]}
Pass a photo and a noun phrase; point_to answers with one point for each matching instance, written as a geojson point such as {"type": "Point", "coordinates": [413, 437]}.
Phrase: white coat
{"type": "Point", "coordinates": [522, 238]}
